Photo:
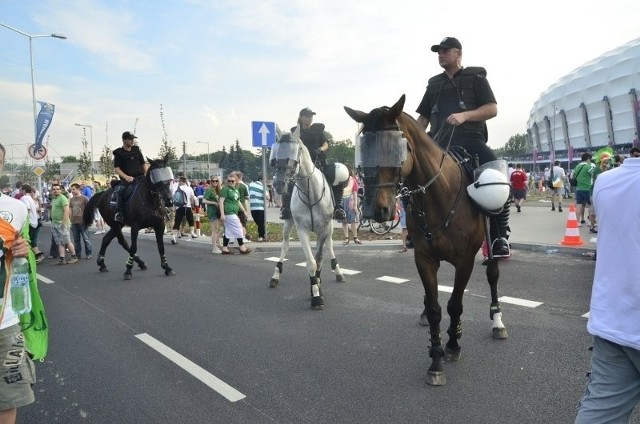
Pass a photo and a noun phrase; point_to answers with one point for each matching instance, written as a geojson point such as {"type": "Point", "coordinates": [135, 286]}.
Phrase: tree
{"type": "Point", "coordinates": [105, 163]}
{"type": "Point", "coordinates": [515, 147]}
{"type": "Point", "coordinates": [85, 166]}
{"type": "Point", "coordinates": [342, 151]}
{"type": "Point", "coordinates": [51, 170]}
{"type": "Point", "coordinates": [25, 174]}
{"type": "Point", "coordinates": [166, 148]}
{"type": "Point", "coordinates": [68, 159]}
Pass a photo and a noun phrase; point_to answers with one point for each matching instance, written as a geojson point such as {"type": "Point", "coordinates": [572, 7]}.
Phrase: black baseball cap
{"type": "Point", "coordinates": [128, 136]}
{"type": "Point", "coordinates": [307, 112]}
{"type": "Point", "coordinates": [447, 43]}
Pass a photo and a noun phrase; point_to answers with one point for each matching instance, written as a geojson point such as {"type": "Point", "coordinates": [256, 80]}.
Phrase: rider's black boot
{"type": "Point", "coordinates": [499, 233]}
{"type": "Point", "coordinates": [338, 211]}
{"type": "Point", "coordinates": [116, 203]}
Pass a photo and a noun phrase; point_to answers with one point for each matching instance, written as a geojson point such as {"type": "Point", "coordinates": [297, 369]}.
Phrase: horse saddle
{"type": "Point", "coordinates": [464, 159]}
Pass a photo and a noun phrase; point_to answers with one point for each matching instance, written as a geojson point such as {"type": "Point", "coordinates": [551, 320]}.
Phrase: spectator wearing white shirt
{"type": "Point", "coordinates": [184, 211]}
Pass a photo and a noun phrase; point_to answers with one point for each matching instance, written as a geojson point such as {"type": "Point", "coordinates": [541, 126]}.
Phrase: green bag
{"type": "Point", "coordinates": [34, 324]}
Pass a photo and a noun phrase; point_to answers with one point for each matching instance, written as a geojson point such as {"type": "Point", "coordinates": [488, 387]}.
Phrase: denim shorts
{"type": "Point", "coordinates": [17, 372]}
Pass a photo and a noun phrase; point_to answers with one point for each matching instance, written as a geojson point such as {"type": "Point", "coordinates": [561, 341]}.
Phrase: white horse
{"type": "Point", "coordinates": [311, 209]}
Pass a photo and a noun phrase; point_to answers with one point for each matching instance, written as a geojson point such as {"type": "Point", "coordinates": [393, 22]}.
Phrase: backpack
{"type": "Point", "coordinates": [179, 198]}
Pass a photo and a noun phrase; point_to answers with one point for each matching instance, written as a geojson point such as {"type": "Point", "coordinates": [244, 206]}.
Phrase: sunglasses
{"type": "Point", "coordinates": [215, 181]}
{"type": "Point", "coordinates": [231, 181]}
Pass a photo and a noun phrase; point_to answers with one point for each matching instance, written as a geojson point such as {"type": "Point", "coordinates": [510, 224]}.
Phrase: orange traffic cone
{"type": "Point", "coordinates": [572, 233]}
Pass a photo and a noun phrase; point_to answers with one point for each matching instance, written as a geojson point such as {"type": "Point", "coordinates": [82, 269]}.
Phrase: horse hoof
{"type": "Point", "coordinates": [317, 303]}
{"type": "Point", "coordinates": [436, 378]}
{"type": "Point", "coordinates": [104, 269]}
{"type": "Point", "coordinates": [273, 283]}
{"type": "Point", "coordinates": [169, 272]}
{"type": "Point", "coordinates": [500, 333]}
{"type": "Point", "coordinates": [340, 278]}
{"type": "Point", "coordinates": [423, 321]}
{"type": "Point", "coordinates": [452, 355]}
{"type": "Point", "coordinates": [127, 276]}
{"type": "Point", "coordinates": [142, 266]}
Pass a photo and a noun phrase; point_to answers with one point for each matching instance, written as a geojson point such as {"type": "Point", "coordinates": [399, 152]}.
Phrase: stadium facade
{"type": "Point", "coordinates": [592, 107]}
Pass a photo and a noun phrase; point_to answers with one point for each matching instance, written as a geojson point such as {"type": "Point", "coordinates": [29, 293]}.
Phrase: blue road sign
{"type": "Point", "coordinates": [264, 133]}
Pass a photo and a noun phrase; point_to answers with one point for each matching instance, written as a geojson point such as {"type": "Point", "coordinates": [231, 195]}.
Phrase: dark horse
{"type": "Point", "coordinates": [147, 200]}
{"type": "Point", "coordinates": [443, 221]}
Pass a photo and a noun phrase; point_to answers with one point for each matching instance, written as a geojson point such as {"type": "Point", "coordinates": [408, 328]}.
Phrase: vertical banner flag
{"type": "Point", "coordinates": [42, 123]}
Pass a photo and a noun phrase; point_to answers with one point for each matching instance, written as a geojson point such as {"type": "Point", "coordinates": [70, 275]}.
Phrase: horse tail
{"type": "Point", "coordinates": [87, 217]}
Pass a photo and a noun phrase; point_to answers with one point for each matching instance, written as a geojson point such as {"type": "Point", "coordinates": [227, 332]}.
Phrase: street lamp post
{"type": "Point", "coordinates": [91, 140]}
{"type": "Point", "coordinates": [33, 86]}
{"type": "Point", "coordinates": [208, 162]}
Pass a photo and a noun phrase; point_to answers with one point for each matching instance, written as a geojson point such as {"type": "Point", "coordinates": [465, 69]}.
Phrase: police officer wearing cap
{"type": "Point", "coordinates": [456, 105]}
{"type": "Point", "coordinates": [128, 163]}
{"type": "Point", "coordinates": [315, 140]}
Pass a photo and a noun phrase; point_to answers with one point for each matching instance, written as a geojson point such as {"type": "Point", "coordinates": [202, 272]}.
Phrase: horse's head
{"type": "Point", "coordinates": [285, 157]}
{"type": "Point", "coordinates": [160, 175]}
{"type": "Point", "coordinates": [381, 155]}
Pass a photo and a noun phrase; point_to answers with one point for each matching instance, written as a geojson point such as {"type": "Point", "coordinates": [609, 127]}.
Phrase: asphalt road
{"type": "Point", "coordinates": [214, 344]}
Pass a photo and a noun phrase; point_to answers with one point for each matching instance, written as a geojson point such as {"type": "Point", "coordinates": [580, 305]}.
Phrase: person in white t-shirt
{"type": "Point", "coordinates": [613, 390]}
{"type": "Point", "coordinates": [184, 211]}
{"type": "Point", "coordinates": [34, 221]}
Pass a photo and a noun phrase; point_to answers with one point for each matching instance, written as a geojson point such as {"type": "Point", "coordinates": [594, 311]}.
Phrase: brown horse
{"type": "Point", "coordinates": [442, 220]}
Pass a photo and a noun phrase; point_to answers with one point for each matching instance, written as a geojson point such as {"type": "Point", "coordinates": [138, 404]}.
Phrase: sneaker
{"type": "Point", "coordinates": [73, 260]}
{"type": "Point", "coordinates": [216, 251]}
{"type": "Point", "coordinates": [593, 230]}
{"type": "Point", "coordinates": [260, 239]}
{"type": "Point", "coordinates": [194, 235]}
{"type": "Point", "coordinates": [559, 209]}
{"type": "Point", "coordinates": [553, 209]}
{"type": "Point", "coordinates": [39, 257]}
{"type": "Point", "coordinates": [246, 240]}
{"type": "Point", "coordinates": [518, 208]}
{"type": "Point", "coordinates": [52, 257]}
{"type": "Point", "coordinates": [88, 257]}
{"type": "Point", "coordinates": [62, 262]}
{"type": "Point", "coordinates": [582, 221]}
{"type": "Point", "coordinates": [173, 240]}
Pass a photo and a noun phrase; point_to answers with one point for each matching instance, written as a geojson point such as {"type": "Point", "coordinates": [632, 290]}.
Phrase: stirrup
{"type": "Point", "coordinates": [339, 213]}
{"type": "Point", "coordinates": [500, 250]}
{"type": "Point", "coordinates": [118, 217]}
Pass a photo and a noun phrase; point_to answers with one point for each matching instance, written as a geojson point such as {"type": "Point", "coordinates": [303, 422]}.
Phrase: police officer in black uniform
{"type": "Point", "coordinates": [315, 140]}
{"type": "Point", "coordinates": [128, 163]}
{"type": "Point", "coordinates": [457, 104]}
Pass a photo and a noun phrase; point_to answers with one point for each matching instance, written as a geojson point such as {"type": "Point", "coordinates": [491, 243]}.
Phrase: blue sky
{"type": "Point", "coordinates": [217, 65]}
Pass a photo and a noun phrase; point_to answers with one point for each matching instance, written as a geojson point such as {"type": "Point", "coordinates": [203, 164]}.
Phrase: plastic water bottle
{"type": "Point", "coordinates": [20, 292]}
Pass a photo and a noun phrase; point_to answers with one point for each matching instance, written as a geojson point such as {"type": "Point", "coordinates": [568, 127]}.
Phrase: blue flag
{"type": "Point", "coordinates": [42, 123]}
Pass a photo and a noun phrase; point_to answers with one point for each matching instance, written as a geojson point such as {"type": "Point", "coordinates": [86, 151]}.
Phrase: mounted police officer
{"type": "Point", "coordinates": [462, 98]}
{"type": "Point", "coordinates": [315, 140]}
{"type": "Point", "coordinates": [128, 163]}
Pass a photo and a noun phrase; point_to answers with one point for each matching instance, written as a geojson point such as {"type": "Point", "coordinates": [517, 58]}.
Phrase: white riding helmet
{"type": "Point", "coordinates": [491, 190]}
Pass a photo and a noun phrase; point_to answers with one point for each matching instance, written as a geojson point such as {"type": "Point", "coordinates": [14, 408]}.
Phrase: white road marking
{"type": "Point", "coordinates": [393, 280]}
{"type": "Point", "coordinates": [273, 259]}
{"type": "Point", "coordinates": [521, 302]}
{"type": "Point", "coordinates": [198, 372]}
{"type": "Point", "coordinates": [350, 271]}
{"type": "Point", "coordinates": [45, 279]}
{"type": "Point", "coordinates": [448, 289]}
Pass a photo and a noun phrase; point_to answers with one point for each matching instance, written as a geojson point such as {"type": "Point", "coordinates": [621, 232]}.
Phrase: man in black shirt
{"type": "Point", "coordinates": [128, 163]}
{"type": "Point", "coordinates": [456, 104]}
{"type": "Point", "coordinates": [315, 140]}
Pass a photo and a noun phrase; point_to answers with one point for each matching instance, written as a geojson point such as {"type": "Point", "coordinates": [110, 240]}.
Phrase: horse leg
{"type": "Point", "coordinates": [106, 240]}
{"type": "Point", "coordinates": [428, 269]}
{"type": "Point", "coordinates": [134, 249]}
{"type": "Point", "coordinates": [317, 302]}
{"type": "Point", "coordinates": [132, 252]}
{"type": "Point", "coordinates": [334, 262]}
{"type": "Point", "coordinates": [158, 229]}
{"type": "Point", "coordinates": [499, 331]}
{"type": "Point", "coordinates": [286, 232]}
{"type": "Point", "coordinates": [454, 309]}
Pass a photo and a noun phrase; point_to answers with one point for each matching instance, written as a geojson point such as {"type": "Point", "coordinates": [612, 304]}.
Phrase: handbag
{"type": "Point", "coordinates": [550, 180]}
